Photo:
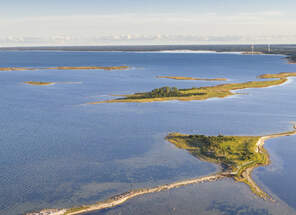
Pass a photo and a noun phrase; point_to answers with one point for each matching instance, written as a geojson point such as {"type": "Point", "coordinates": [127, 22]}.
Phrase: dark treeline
{"type": "Point", "coordinates": [164, 92]}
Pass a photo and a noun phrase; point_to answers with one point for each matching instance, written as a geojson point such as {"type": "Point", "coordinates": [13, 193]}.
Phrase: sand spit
{"type": "Point", "coordinates": [260, 149]}
{"type": "Point", "coordinates": [121, 198]}
{"type": "Point", "coordinates": [262, 140]}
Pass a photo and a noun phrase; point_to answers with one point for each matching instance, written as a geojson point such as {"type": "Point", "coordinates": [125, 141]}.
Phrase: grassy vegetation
{"type": "Point", "coordinates": [235, 154]}
{"type": "Point", "coordinates": [189, 78]}
{"type": "Point", "coordinates": [39, 83]}
{"type": "Point", "coordinates": [232, 152]}
{"type": "Point", "coordinates": [201, 93]}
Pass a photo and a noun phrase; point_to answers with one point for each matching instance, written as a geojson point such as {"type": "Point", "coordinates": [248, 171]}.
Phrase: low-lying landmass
{"type": "Point", "coordinates": [67, 68]}
{"type": "Point", "coordinates": [236, 155]}
{"type": "Point", "coordinates": [201, 93]}
{"type": "Point", "coordinates": [195, 79]}
{"type": "Point", "coordinates": [40, 83]}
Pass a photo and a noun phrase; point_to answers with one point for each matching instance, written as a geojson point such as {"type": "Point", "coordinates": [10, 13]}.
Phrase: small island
{"type": "Point", "coordinates": [201, 93]}
{"type": "Point", "coordinates": [39, 83]}
{"type": "Point", "coordinates": [193, 79]}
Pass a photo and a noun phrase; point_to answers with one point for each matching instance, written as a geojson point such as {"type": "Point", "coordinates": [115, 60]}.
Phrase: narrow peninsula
{"type": "Point", "coordinates": [201, 93]}
{"type": "Point", "coordinates": [192, 79]}
{"type": "Point", "coordinates": [237, 156]}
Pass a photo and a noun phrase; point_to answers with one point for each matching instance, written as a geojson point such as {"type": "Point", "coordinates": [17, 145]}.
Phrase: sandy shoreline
{"type": "Point", "coordinates": [121, 198]}
{"type": "Point", "coordinates": [260, 149]}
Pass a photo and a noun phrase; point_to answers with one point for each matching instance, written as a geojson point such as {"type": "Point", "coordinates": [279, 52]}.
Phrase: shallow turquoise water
{"type": "Point", "coordinates": [57, 152]}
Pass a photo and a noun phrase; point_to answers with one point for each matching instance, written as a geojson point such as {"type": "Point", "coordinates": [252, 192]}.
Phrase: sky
{"type": "Point", "coordinates": [134, 22]}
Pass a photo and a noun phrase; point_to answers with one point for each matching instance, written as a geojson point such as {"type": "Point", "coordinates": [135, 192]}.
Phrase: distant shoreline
{"type": "Point", "coordinates": [288, 50]}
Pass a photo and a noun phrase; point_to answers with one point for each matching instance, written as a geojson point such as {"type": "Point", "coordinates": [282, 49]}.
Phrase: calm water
{"type": "Point", "coordinates": [58, 152]}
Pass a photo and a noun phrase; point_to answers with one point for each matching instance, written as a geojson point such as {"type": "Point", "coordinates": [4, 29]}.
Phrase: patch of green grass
{"type": "Point", "coordinates": [231, 152]}
{"type": "Point", "coordinates": [235, 154]}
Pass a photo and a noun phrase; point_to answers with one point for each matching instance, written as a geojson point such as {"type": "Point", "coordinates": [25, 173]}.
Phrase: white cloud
{"type": "Point", "coordinates": [88, 29]}
{"type": "Point", "coordinates": [145, 39]}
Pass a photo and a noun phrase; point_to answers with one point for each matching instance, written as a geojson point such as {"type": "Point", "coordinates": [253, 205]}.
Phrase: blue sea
{"type": "Point", "coordinates": [59, 152]}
